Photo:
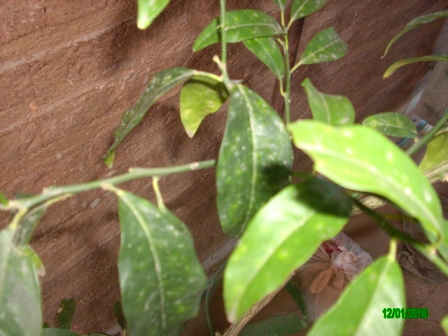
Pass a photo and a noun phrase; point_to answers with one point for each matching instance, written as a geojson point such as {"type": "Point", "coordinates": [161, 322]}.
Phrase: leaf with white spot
{"type": "Point", "coordinates": [360, 158]}
{"type": "Point", "coordinates": [269, 53]}
{"type": "Point", "coordinates": [394, 67]}
{"type": "Point", "coordinates": [66, 312]}
{"type": "Point", "coordinates": [254, 161]}
{"type": "Point", "coordinates": [199, 97]}
{"type": "Point", "coordinates": [160, 276]}
{"type": "Point", "coordinates": [302, 8]}
{"type": "Point", "coordinates": [359, 310]}
{"type": "Point", "coordinates": [330, 109]}
{"type": "Point", "coordinates": [163, 82]}
{"type": "Point", "coordinates": [148, 10]}
{"type": "Point", "coordinates": [435, 162]}
{"type": "Point", "coordinates": [20, 299]}
{"type": "Point", "coordinates": [281, 4]}
{"type": "Point", "coordinates": [415, 23]}
{"type": "Point", "coordinates": [325, 46]}
{"type": "Point", "coordinates": [392, 124]}
{"type": "Point", "coordinates": [283, 235]}
{"type": "Point", "coordinates": [240, 25]}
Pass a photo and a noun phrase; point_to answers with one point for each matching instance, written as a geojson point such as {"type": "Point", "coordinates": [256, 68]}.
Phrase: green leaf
{"type": "Point", "coordinates": [444, 324]}
{"type": "Point", "coordinates": [392, 124]}
{"type": "Point", "coordinates": [27, 225]}
{"type": "Point", "coordinates": [325, 46]}
{"type": "Point", "coordinates": [163, 82]}
{"type": "Point", "coordinates": [118, 312]}
{"type": "Point", "coordinates": [283, 235]}
{"type": "Point", "coordinates": [148, 10]}
{"type": "Point", "coordinates": [3, 200]}
{"type": "Point", "coordinates": [281, 4]}
{"type": "Point", "coordinates": [359, 310]}
{"type": "Point", "coordinates": [28, 252]}
{"type": "Point", "coordinates": [57, 332]}
{"type": "Point", "coordinates": [415, 23]}
{"type": "Point", "coordinates": [360, 158]}
{"type": "Point", "coordinates": [390, 70]}
{"type": "Point", "coordinates": [330, 109]}
{"type": "Point", "coordinates": [240, 25]}
{"type": "Point", "coordinates": [302, 8]}
{"type": "Point", "coordinates": [199, 97]}
{"type": "Point", "coordinates": [160, 277]}
{"type": "Point", "coordinates": [254, 161]}
{"type": "Point", "coordinates": [269, 53]}
{"type": "Point", "coordinates": [20, 300]}
{"type": "Point", "coordinates": [66, 312]}
{"type": "Point", "coordinates": [435, 162]}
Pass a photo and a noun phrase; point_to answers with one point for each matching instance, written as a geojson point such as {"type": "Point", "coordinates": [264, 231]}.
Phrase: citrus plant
{"type": "Point", "coordinates": [279, 215]}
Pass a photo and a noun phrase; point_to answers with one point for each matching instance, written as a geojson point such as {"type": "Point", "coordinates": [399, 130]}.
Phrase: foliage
{"type": "Point", "coordinates": [280, 220]}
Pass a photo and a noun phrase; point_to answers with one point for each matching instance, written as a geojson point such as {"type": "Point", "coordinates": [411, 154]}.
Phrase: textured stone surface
{"type": "Point", "coordinates": [68, 71]}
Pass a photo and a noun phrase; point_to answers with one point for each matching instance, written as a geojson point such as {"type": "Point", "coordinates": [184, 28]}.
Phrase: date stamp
{"type": "Point", "coordinates": [405, 313]}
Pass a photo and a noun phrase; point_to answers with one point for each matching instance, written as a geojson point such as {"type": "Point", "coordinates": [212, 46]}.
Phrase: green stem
{"type": "Point", "coordinates": [155, 186]}
{"type": "Point", "coordinates": [134, 173]}
{"type": "Point", "coordinates": [223, 62]}
{"type": "Point", "coordinates": [432, 256]}
{"type": "Point", "coordinates": [429, 136]}
{"type": "Point", "coordinates": [286, 93]}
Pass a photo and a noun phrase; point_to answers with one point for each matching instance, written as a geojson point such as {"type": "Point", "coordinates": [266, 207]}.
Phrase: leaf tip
{"type": "Point", "coordinates": [108, 159]}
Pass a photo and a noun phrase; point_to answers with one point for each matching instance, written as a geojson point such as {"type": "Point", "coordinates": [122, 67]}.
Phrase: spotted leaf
{"type": "Point", "coordinates": [392, 124]}
{"type": "Point", "coordinates": [240, 25]}
{"type": "Point", "coordinates": [302, 8]}
{"type": "Point", "coordinates": [325, 46]}
{"type": "Point", "coordinates": [163, 82]}
{"type": "Point", "coordinates": [359, 158]}
{"type": "Point", "coordinates": [359, 310]}
{"type": "Point", "coordinates": [269, 53]}
{"type": "Point", "coordinates": [254, 161]}
{"type": "Point", "coordinates": [283, 235]}
{"type": "Point", "coordinates": [20, 299]}
{"type": "Point", "coordinates": [160, 276]}
{"type": "Point", "coordinates": [281, 4]}
{"type": "Point", "coordinates": [330, 109]}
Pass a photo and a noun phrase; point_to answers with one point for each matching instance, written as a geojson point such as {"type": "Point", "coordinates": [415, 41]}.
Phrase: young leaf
{"type": "Point", "coordinates": [325, 46]}
{"type": "Point", "coordinates": [240, 25]}
{"type": "Point", "coordinates": [58, 332]}
{"type": "Point", "coordinates": [66, 312]}
{"type": "Point", "coordinates": [444, 324]}
{"type": "Point", "coordinates": [359, 310]}
{"type": "Point", "coordinates": [302, 8]}
{"type": "Point", "coordinates": [360, 158]}
{"type": "Point", "coordinates": [392, 124]}
{"type": "Point", "coordinates": [27, 225]}
{"type": "Point", "coordinates": [148, 10]}
{"type": "Point", "coordinates": [199, 97]}
{"type": "Point", "coordinates": [254, 161]}
{"type": "Point", "coordinates": [415, 23]}
{"type": "Point", "coordinates": [160, 276]}
{"type": "Point", "coordinates": [282, 236]}
{"type": "Point", "coordinates": [3, 200]}
{"type": "Point", "coordinates": [20, 300]}
{"type": "Point", "coordinates": [281, 4]}
{"type": "Point", "coordinates": [163, 82]}
{"type": "Point", "coordinates": [330, 109]}
{"type": "Point", "coordinates": [390, 70]}
{"type": "Point", "coordinates": [269, 53]}
{"type": "Point", "coordinates": [435, 161]}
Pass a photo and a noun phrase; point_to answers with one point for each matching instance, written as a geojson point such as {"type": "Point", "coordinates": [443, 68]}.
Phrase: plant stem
{"type": "Point", "coordinates": [223, 63]}
{"type": "Point", "coordinates": [432, 256]}
{"type": "Point", "coordinates": [155, 186]}
{"type": "Point", "coordinates": [429, 136]}
{"type": "Point", "coordinates": [134, 173]}
{"type": "Point", "coordinates": [286, 93]}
